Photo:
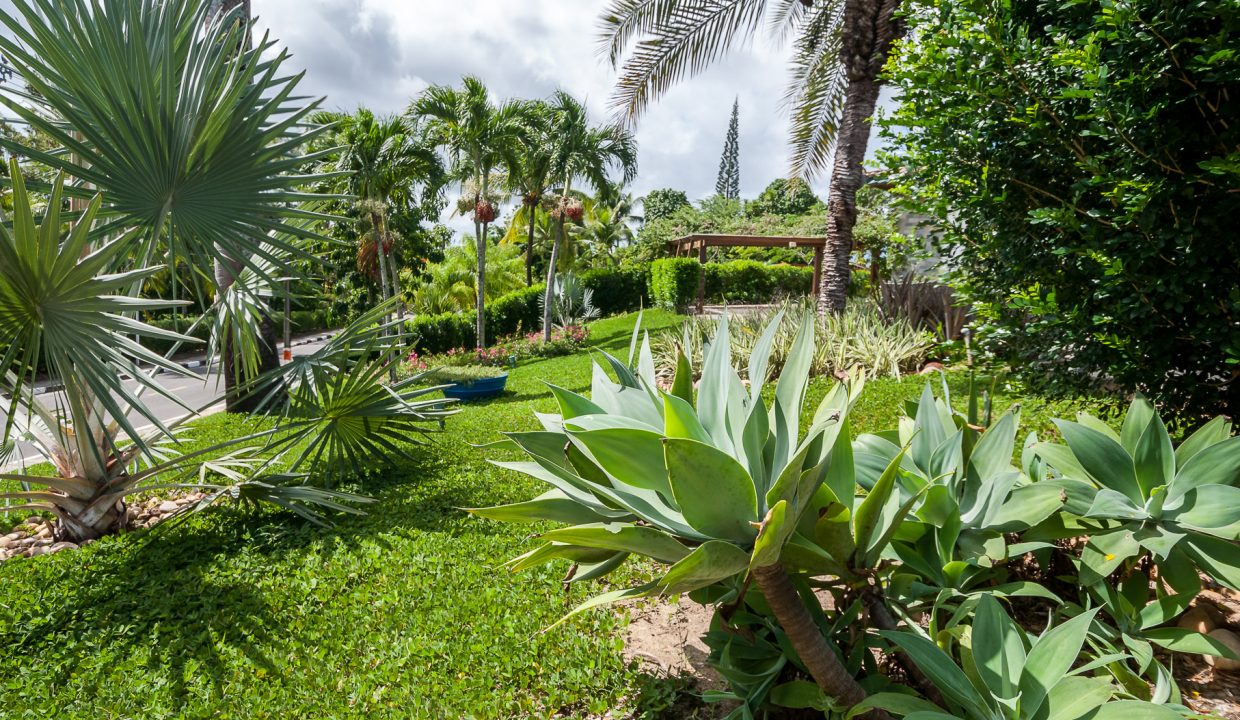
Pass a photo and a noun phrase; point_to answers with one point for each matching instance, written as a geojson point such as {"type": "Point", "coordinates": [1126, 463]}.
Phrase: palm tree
{"type": "Point", "coordinates": [839, 49]}
{"type": "Point", "coordinates": [604, 229]}
{"type": "Point", "coordinates": [450, 285]}
{"type": "Point", "coordinates": [531, 179]}
{"type": "Point", "coordinates": [181, 140]}
{"type": "Point", "coordinates": [384, 158]}
{"type": "Point", "coordinates": [479, 136]}
{"type": "Point", "coordinates": [582, 153]}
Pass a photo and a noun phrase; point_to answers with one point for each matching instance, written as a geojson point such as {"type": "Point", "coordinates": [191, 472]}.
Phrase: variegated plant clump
{"type": "Point", "coordinates": [861, 337]}
{"type": "Point", "coordinates": [924, 538]}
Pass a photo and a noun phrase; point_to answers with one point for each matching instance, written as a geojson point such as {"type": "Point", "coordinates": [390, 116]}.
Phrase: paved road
{"type": "Point", "coordinates": [203, 390]}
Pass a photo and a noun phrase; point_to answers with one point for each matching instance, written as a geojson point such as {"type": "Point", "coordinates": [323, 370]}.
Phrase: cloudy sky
{"type": "Point", "coordinates": [381, 53]}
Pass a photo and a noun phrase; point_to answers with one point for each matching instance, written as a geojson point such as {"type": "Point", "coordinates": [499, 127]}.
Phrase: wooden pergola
{"type": "Point", "coordinates": [689, 244]}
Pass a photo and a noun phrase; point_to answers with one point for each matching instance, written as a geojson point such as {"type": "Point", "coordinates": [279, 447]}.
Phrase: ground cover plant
{"type": "Point", "coordinates": [815, 549]}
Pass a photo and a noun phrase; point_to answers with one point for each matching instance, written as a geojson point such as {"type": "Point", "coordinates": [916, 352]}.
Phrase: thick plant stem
{"type": "Point", "coordinates": [529, 246]}
{"type": "Point", "coordinates": [881, 617]}
{"type": "Point", "coordinates": [826, 669]}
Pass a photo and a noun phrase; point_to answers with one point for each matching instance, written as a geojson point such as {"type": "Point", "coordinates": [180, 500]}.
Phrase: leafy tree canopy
{"type": "Point", "coordinates": [1081, 159]}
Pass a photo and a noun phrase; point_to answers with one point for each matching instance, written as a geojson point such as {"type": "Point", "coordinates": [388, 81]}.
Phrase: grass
{"type": "Point", "coordinates": [404, 613]}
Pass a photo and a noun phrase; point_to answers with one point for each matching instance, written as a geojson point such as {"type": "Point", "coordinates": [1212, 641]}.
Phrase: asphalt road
{"type": "Point", "coordinates": [202, 391]}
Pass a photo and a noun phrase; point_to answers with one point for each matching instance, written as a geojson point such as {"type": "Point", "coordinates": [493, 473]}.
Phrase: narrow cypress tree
{"type": "Point", "coordinates": [729, 183]}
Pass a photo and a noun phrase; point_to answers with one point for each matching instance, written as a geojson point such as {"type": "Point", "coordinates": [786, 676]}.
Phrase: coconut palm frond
{"type": "Point", "coordinates": [677, 41]}
{"type": "Point", "coordinates": [816, 86]}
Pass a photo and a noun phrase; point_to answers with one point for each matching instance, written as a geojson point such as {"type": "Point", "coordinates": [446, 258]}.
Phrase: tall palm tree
{"type": "Point", "coordinates": [479, 136]}
{"type": "Point", "coordinates": [186, 142]}
{"type": "Point", "coordinates": [583, 153]}
{"type": "Point", "coordinates": [604, 229]}
{"type": "Point", "coordinates": [839, 49]}
{"type": "Point", "coordinates": [531, 178]}
{"type": "Point", "coordinates": [385, 157]}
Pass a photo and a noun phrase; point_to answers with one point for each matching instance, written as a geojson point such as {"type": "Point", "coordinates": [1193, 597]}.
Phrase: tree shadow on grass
{"type": "Point", "coordinates": [174, 595]}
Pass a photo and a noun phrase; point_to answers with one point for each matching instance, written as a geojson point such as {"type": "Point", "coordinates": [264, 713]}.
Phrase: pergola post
{"type": "Point", "coordinates": [701, 303]}
{"type": "Point", "coordinates": [817, 272]}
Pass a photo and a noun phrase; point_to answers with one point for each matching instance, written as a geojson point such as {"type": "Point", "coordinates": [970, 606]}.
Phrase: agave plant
{"type": "Point", "coordinates": [713, 489]}
{"type": "Point", "coordinates": [572, 303]}
{"type": "Point", "coordinates": [1005, 673]}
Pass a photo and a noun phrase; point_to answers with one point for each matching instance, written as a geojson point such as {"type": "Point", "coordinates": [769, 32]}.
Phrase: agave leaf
{"type": "Point", "coordinates": [1218, 464]}
{"type": "Point", "coordinates": [709, 563]}
{"type": "Point", "coordinates": [1106, 461]}
{"type": "Point", "coordinates": [714, 492]}
{"type": "Point", "coordinates": [1153, 457]}
{"type": "Point", "coordinates": [621, 537]}
{"type": "Point", "coordinates": [680, 420]}
{"type": "Point", "coordinates": [1050, 658]}
{"type": "Point", "coordinates": [552, 505]}
{"type": "Point", "coordinates": [1215, 431]}
{"type": "Point", "coordinates": [628, 456]}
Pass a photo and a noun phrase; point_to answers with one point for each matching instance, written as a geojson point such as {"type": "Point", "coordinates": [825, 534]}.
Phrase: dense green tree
{"type": "Point", "coordinates": [728, 184]}
{"type": "Point", "coordinates": [839, 48]}
{"type": "Point", "coordinates": [784, 197]}
{"type": "Point", "coordinates": [1081, 161]}
{"type": "Point", "coordinates": [662, 203]}
{"type": "Point", "coordinates": [479, 136]}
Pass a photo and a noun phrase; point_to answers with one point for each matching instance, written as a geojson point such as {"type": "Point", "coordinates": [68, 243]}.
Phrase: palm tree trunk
{"type": "Point", "coordinates": [549, 291]}
{"type": "Point", "coordinates": [376, 221]}
{"type": "Point", "coordinates": [828, 672]}
{"type": "Point", "coordinates": [238, 397]}
{"type": "Point", "coordinates": [869, 30]}
{"type": "Point", "coordinates": [529, 246]}
{"type": "Point", "coordinates": [480, 304]}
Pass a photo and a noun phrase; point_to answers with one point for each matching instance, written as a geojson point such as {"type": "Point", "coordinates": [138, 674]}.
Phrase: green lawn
{"type": "Point", "coordinates": [403, 613]}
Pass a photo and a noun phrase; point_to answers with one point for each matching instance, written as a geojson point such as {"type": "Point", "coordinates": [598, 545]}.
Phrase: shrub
{"type": "Point", "coordinates": [821, 553]}
{"type": "Point", "coordinates": [618, 290]}
{"type": "Point", "coordinates": [674, 282]}
{"type": "Point", "coordinates": [783, 197]}
{"type": "Point", "coordinates": [1089, 208]}
{"type": "Point", "coordinates": [507, 315]}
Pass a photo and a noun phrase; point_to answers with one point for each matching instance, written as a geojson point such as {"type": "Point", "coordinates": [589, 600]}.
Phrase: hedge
{"type": "Point", "coordinates": [674, 282]}
{"type": "Point", "coordinates": [618, 290]}
{"type": "Point", "coordinates": [519, 311]}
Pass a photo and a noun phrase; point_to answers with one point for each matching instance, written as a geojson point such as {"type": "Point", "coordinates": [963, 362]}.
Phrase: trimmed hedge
{"type": "Point", "coordinates": [518, 311]}
{"type": "Point", "coordinates": [618, 290]}
{"type": "Point", "coordinates": [674, 282]}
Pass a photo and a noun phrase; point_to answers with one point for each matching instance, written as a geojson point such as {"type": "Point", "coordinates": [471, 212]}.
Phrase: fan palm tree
{"type": "Point", "coordinates": [384, 158]}
{"type": "Point", "coordinates": [839, 49]}
{"type": "Point", "coordinates": [479, 136]}
{"type": "Point", "coordinates": [178, 137]}
{"type": "Point", "coordinates": [583, 153]}
{"type": "Point", "coordinates": [531, 179]}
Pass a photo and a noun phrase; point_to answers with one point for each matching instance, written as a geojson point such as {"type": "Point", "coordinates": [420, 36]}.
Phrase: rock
{"type": "Point", "coordinates": [38, 550]}
{"type": "Point", "coordinates": [1232, 641]}
{"type": "Point", "coordinates": [168, 507]}
{"type": "Point", "coordinates": [5, 542]}
{"type": "Point", "coordinates": [15, 536]}
{"type": "Point", "coordinates": [57, 547]}
{"type": "Point", "coordinates": [1200, 619]}
{"type": "Point", "coordinates": [930, 367]}
{"type": "Point", "coordinates": [45, 531]}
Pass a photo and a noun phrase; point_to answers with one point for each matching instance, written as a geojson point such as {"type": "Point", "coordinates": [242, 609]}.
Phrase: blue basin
{"type": "Point", "coordinates": [478, 389]}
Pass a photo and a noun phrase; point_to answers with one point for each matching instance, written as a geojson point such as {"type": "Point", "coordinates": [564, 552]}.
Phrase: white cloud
{"type": "Point", "coordinates": [381, 53]}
